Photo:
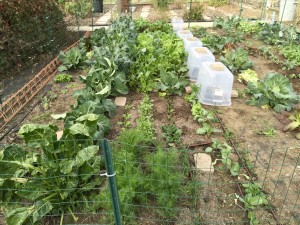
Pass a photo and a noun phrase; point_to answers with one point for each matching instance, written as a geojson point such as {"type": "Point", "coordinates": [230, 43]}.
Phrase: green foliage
{"type": "Point", "coordinates": [249, 27]}
{"type": "Point", "coordinates": [142, 25]}
{"type": "Point", "coordinates": [202, 115]}
{"type": "Point", "coordinates": [165, 180]}
{"type": "Point", "coordinates": [237, 60]}
{"type": "Point", "coordinates": [216, 43]}
{"type": "Point", "coordinates": [145, 121]}
{"type": "Point", "coordinates": [34, 175]}
{"type": "Point", "coordinates": [248, 76]}
{"type": "Point", "coordinates": [36, 29]}
{"type": "Point", "coordinates": [71, 59]}
{"type": "Point", "coordinates": [62, 77]}
{"type": "Point", "coordinates": [294, 125]}
{"type": "Point", "coordinates": [274, 90]}
{"type": "Point", "coordinates": [227, 23]}
{"type": "Point", "coordinates": [78, 8]}
{"type": "Point", "coordinates": [162, 4]}
{"type": "Point", "coordinates": [292, 55]}
{"type": "Point", "coordinates": [207, 129]}
{"type": "Point", "coordinates": [217, 2]}
{"type": "Point", "coordinates": [157, 51]}
{"type": "Point", "coordinates": [195, 12]}
{"type": "Point", "coordinates": [192, 97]}
{"type": "Point", "coordinates": [171, 84]}
{"type": "Point", "coordinates": [172, 134]}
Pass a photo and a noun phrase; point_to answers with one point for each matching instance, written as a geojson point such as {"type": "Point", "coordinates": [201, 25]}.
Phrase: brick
{"type": "Point", "coordinates": [203, 162]}
{"type": "Point", "coordinates": [120, 101]}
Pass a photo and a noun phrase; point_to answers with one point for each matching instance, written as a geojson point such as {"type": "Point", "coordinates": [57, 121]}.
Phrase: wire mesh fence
{"type": "Point", "coordinates": [155, 185]}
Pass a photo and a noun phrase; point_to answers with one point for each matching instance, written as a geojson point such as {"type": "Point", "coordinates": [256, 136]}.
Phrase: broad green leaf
{"type": "Point", "coordinates": [37, 135]}
{"type": "Point", "coordinates": [88, 117]}
{"type": "Point", "coordinates": [18, 216]}
{"type": "Point", "coordinates": [86, 154]}
{"type": "Point", "coordinates": [59, 116]}
{"type": "Point", "coordinates": [41, 209]}
{"type": "Point", "coordinates": [66, 166]}
{"type": "Point", "coordinates": [79, 128]}
{"type": "Point", "coordinates": [235, 169]}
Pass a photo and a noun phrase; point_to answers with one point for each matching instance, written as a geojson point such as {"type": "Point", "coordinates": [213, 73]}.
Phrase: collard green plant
{"type": "Point", "coordinates": [72, 59]}
{"type": "Point", "coordinates": [237, 60]}
{"type": "Point", "coordinates": [275, 90]}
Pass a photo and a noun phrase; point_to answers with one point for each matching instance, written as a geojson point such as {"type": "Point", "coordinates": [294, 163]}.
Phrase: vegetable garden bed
{"type": "Point", "coordinates": [153, 139]}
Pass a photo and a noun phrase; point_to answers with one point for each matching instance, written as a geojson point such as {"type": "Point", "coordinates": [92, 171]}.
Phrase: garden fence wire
{"type": "Point", "coordinates": [156, 185]}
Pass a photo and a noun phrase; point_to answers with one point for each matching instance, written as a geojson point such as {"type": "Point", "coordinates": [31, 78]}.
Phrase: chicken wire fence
{"type": "Point", "coordinates": [146, 184]}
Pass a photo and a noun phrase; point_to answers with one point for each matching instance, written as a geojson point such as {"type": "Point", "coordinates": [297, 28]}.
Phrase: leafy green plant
{"type": "Point", "coordinates": [195, 12]}
{"type": "Point", "coordinates": [155, 52]}
{"type": "Point", "coordinates": [62, 77]}
{"type": "Point", "coordinates": [192, 97]}
{"type": "Point", "coordinates": [163, 167]}
{"type": "Point", "coordinates": [274, 90]}
{"type": "Point", "coordinates": [207, 129]}
{"type": "Point", "coordinates": [248, 76]}
{"type": "Point", "coordinates": [252, 200]}
{"type": "Point", "coordinates": [268, 132]}
{"type": "Point", "coordinates": [33, 175]}
{"type": "Point", "coordinates": [294, 125]}
{"type": "Point", "coordinates": [216, 145]}
{"type": "Point", "coordinates": [78, 8]}
{"type": "Point", "coordinates": [71, 59]}
{"type": "Point", "coordinates": [249, 27]}
{"type": "Point", "coordinates": [172, 134]}
{"type": "Point", "coordinates": [202, 115]}
{"type": "Point", "coordinates": [170, 83]}
{"type": "Point", "coordinates": [292, 55]}
{"type": "Point", "coordinates": [145, 121]}
{"type": "Point", "coordinates": [237, 60]}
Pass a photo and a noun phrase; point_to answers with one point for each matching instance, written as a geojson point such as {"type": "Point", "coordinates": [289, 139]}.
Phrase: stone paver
{"type": "Point", "coordinates": [145, 11]}
{"type": "Point", "coordinates": [120, 101]}
{"type": "Point", "coordinates": [234, 94]}
{"type": "Point", "coordinates": [203, 162]}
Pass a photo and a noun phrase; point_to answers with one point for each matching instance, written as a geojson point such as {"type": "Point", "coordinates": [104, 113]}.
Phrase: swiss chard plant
{"type": "Point", "coordinates": [53, 180]}
{"type": "Point", "coordinates": [275, 90]}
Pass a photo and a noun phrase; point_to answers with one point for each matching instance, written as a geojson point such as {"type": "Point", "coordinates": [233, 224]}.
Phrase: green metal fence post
{"type": "Point", "coordinates": [110, 174]}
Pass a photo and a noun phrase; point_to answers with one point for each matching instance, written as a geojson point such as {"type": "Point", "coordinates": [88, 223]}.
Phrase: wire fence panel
{"type": "Point", "coordinates": [156, 185]}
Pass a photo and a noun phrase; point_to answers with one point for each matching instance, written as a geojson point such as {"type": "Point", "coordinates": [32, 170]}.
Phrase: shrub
{"type": "Point", "coordinates": [195, 13]}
